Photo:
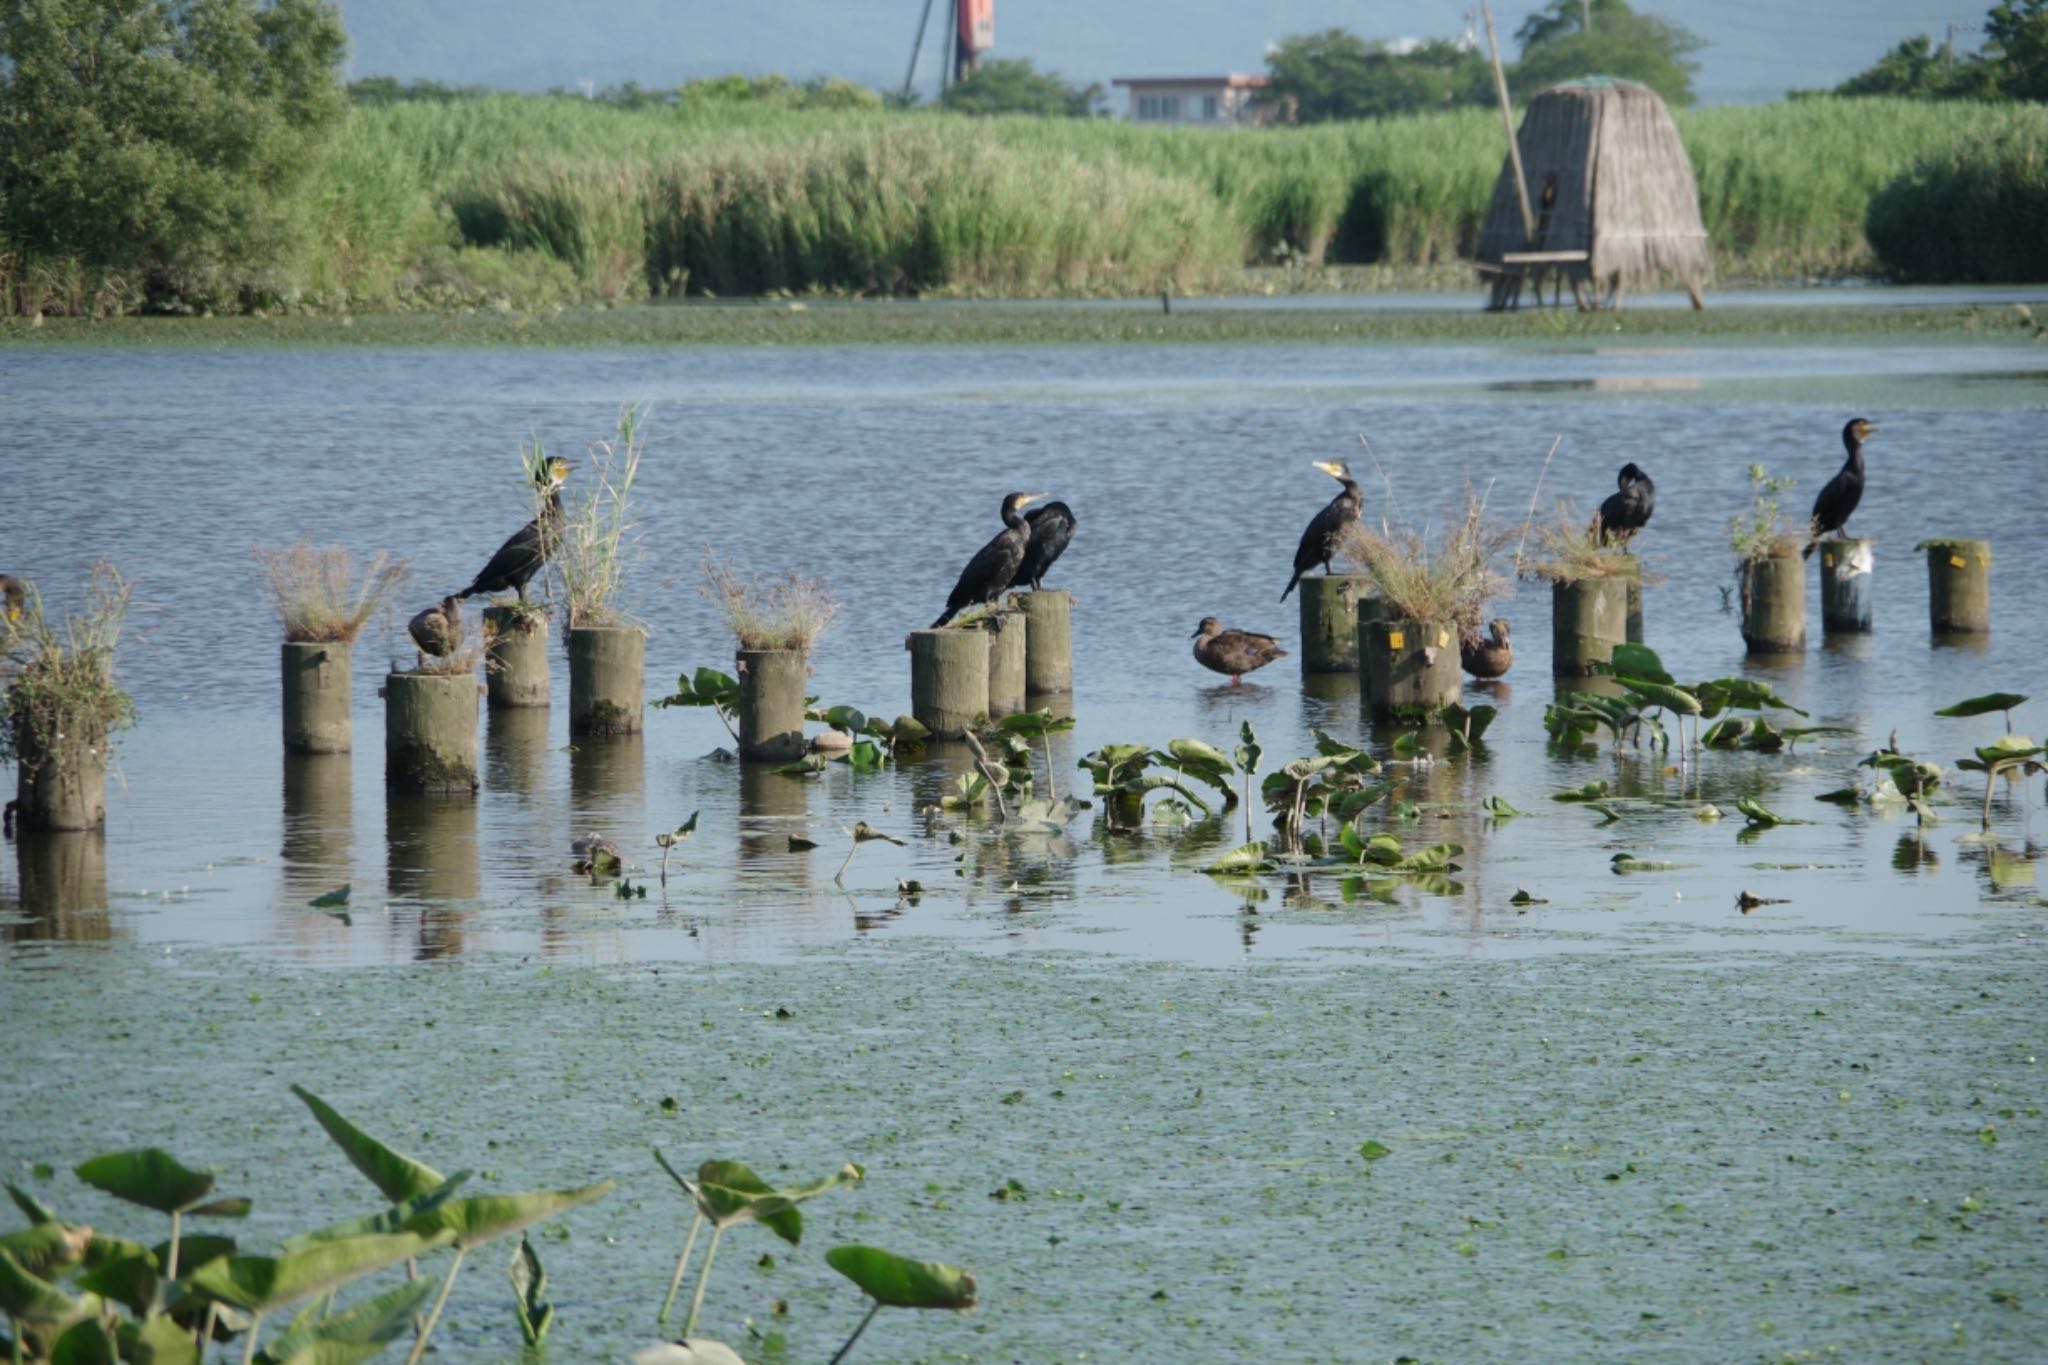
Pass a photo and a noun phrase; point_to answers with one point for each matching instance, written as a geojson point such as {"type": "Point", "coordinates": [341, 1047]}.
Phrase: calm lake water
{"type": "Point", "coordinates": [1626, 1120]}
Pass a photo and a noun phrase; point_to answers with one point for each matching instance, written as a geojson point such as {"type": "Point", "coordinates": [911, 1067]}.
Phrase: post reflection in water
{"type": "Point", "coordinates": [774, 806]}
{"type": "Point", "coordinates": [319, 824]}
{"type": "Point", "coordinates": [63, 887]}
{"type": "Point", "coordinates": [1329, 701]}
{"type": "Point", "coordinates": [516, 751]}
{"type": "Point", "coordinates": [608, 788]}
{"type": "Point", "coordinates": [431, 844]}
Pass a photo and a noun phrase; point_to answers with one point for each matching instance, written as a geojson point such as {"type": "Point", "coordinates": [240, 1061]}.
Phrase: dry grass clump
{"type": "Point", "coordinates": [1450, 581]}
{"type": "Point", "coordinates": [461, 661]}
{"type": "Point", "coordinates": [1572, 552]}
{"type": "Point", "coordinates": [781, 611]}
{"type": "Point", "coordinates": [318, 596]}
{"type": "Point", "coordinates": [60, 675]}
{"type": "Point", "coordinates": [594, 543]}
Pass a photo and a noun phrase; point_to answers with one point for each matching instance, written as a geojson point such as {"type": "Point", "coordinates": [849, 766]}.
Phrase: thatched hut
{"type": "Point", "coordinates": [1612, 193]}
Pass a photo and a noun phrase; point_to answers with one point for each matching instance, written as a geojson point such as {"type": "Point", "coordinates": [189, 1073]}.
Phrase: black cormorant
{"type": "Point", "coordinates": [994, 566]}
{"type": "Point", "coordinates": [521, 557]}
{"type": "Point", "coordinates": [1320, 541]}
{"type": "Point", "coordinates": [438, 629]}
{"type": "Point", "coordinates": [1235, 652]}
{"type": "Point", "coordinates": [1487, 658]}
{"type": "Point", "coordinates": [1839, 496]}
{"type": "Point", "coordinates": [1052, 526]}
{"type": "Point", "coordinates": [1627, 510]}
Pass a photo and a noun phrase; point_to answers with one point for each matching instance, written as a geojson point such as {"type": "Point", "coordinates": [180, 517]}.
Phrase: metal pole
{"type": "Point", "coordinates": [1507, 117]}
{"type": "Point", "coordinates": [1586, 15]}
{"type": "Point", "coordinates": [916, 49]}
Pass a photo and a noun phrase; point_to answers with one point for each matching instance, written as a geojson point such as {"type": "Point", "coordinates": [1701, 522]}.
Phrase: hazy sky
{"type": "Point", "coordinates": [1757, 49]}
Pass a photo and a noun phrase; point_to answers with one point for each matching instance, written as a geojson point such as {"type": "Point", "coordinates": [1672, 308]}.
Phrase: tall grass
{"type": "Point", "coordinates": [1976, 209]}
{"type": "Point", "coordinates": [537, 200]}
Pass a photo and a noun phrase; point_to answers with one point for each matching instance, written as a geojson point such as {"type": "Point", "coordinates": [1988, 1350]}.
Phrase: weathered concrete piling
{"type": "Point", "coordinates": [772, 703]}
{"type": "Point", "coordinates": [607, 679]}
{"type": "Point", "coordinates": [1635, 603]}
{"type": "Point", "coordinates": [949, 680]}
{"type": "Point", "coordinates": [515, 658]}
{"type": "Point", "coordinates": [430, 733]}
{"type": "Point", "coordinates": [60, 766]}
{"type": "Point", "coordinates": [1958, 586]}
{"type": "Point", "coordinates": [1846, 597]}
{"type": "Point", "coordinates": [1048, 642]}
{"type": "Point", "coordinates": [1009, 665]}
{"type": "Point", "coordinates": [1329, 621]}
{"type": "Point", "coordinates": [1774, 604]}
{"type": "Point", "coordinates": [1411, 669]}
{"type": "Point", "coordinates": [316, 697]}
{"type": "Point", "coordinates": [1370, 609]}
{"type": "Point", "coordinates": [1588, 618]}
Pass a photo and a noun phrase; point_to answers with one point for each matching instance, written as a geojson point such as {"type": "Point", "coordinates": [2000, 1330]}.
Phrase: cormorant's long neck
{"type": "Point", "coordinates": [1352, 494]}
{"type": "Point", "coordinates": [1855, 460]}
{"type": "Point", "coordinates": [1013, 518]}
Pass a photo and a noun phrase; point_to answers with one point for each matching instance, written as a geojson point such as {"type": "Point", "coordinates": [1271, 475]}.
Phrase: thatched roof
{"type": "Point", "coordinates": [1625, 188]}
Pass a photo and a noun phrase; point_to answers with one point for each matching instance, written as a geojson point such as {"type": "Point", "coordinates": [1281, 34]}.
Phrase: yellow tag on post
{"type": "Point", "coordinates": [1396, 640]}
{"type": "Point", "coordinates": [1958, 562]}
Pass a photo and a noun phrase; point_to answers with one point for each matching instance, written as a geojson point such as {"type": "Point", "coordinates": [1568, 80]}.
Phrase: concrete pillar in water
{"type": "Point", "coordinates": [607, 679]}
{"type": "Point", "coordinates": [1635, 603]}
{"type": "Point", "coordinates": [1009, 652]}
{"type": "Point", "coordinates": [1958, 586]}
{"type": "Point", "coordinates": [1588, 618]}
{"type": "Point", "coordinates": [1411, 669]}
{"type": "Point", "coordinates": [1329, 621]}
{"type": "Point", "coordinates": [1774, 605]}
{"type": "Point", "coordinates": [1370, 609]}
{"type": "Point", "coordinates": [430, 733]}
{"type": "Point", "coordinates": [515, 657]}
{"type": "Point", "coordinates": [1048, 641]}
{"type": "Point", "coordinates": [948, 680]}
{"type": "Point", "coordinates": [60, 767]}
{"type": "Point", "coordinates": [316, 697]}
{"type": "Point", "coordinates": [772, 703]}
{"type": "Point", "coordinates": [1845, 586]}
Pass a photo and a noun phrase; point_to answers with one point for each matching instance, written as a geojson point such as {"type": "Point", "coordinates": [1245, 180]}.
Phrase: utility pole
{"type": "Point", "coordinates": [1949, 48]}
{"type": "Point", "coordinates": [910, 76]}
{"type": "Point", "coordinates": [1586, 15]}
{"type": "Point", "coordinates": [1507, 116]}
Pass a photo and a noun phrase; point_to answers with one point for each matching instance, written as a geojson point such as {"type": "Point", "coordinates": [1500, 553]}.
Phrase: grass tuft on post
{"type": "Point", "coordinates": [319, 597]}
{"type": "Point", "coordinates": [60, 673]}
{"type": "Point", "coordinates": [1450, 581]}
{"type": "Point", "coordinates": [781, 611]}
{"type": "Point", "coordinates": [596, 542]}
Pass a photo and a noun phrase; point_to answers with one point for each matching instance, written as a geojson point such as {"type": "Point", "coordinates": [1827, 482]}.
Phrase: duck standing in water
{"type": "Point", "coordinates": [1485, 657]}
{"type": "Point", "coordinates": [1627, 510]}
{"type": "Point", "coordinates": [994, 566]}
{"type": "Point", "coordinates": [1839, 496]}
{"type": "Point", "coordinates": [437, 630]}
{"type": "Point", "coordinates": [1326, 532]}
{"type": "Point", "coordinates": [1235, 652]}
{"type": "Point", "coordinates": [521, 557]}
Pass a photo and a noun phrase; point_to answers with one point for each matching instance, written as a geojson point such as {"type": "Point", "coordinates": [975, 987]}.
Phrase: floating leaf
{"type": "Point", "coordinates": [1592, 791]}
{"type": "Point", "coordinates": [1374, 1150]}
{"type": "Point", "coordinates": [1760, 815]}
{"type": "Point", "coordinates": [899, 1282]}
{"type": "Point", "coordinates": [1522, 897]}
{"type": "Point", "coordinates": [1244, 858]}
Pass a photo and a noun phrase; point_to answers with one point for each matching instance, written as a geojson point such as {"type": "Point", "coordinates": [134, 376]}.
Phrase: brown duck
{"type": "Point", "coordinates": [1235, 652]}
{"type": "Point", "coordinates": [438, 629]}
{"type": "Point", "coordinates": [1486, 657]}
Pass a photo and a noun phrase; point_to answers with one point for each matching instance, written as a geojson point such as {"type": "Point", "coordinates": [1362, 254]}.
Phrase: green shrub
{"type": "Point", "coordinates": [1973, 211]}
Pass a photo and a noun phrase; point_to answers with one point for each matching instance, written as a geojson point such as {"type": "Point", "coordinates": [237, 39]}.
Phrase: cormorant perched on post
{"type": "Point", "coordinates": [994, 566]}
{"type": "Point", "coordinates": [1626, 511]}
{"type": "Point", "coordinates": [1839, 496]}
{"type": "Point", "coordinates": [438, 629]}
{"type": "Point", "coordinates": [521, 557]}
{"type": "Point", "coordinates": [1052, 526]}
{"type": "Point", "coordinates": [1320, 541]}
{"type": "Point", "coordinates": [1235, 652]}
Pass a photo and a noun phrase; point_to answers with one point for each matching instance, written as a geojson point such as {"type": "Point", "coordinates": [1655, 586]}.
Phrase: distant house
{"type": "Point", "coordinates": [1206, 101]}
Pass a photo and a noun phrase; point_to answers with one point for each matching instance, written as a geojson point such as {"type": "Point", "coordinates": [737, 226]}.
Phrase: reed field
{"type": "Point", "coordinates": [532, 201]}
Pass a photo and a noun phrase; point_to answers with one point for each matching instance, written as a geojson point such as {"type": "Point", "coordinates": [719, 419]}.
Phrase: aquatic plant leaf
{"type": "Point", "coordinates": [1354, 845]}
{"type": "Point", "coordinates": [1375, 1149]}
{"type": "Point", "coordinates": [194, 1249]}
{"type": "Point", "coordinates": [261, 1284]}
{"type": "Point", "coordinates": [1592, 791]}
{"type": "Point", "coordinates": [1522, 897]}
{"type": "Point", "coordinates": [1435, 858]}
{"type": "Point", "coordinates": [1606, 813]}
{"type": "Point", "coordinates": [338, 896]}
{"type": "Point", "coordinates": [358, 1333]}
{"type": "Point", "coordinates": [864, 833]}
{"type": "Point", "coordinates": [1638, 661]}
{"type": "Point", "coordinates": [1407, 744]}
{"type": "Point", "coordinates": [799, 844]}
{"type": "Point", "coordinates": [1248, 751]}
{"type": "Point", "coordinates": [530, 1293]}
{"type": "Point", "coordinates": [1842, 796]}
{"type": "Point", "coordinates": [2008, 749]}
{"type": "Point", "coordinates": [1383, 849]}
{"type": "Point", "coordinates": [1760, 814]}
{"type": "Point", "coordinates": [907, 730]}
{"type": "Point", "coordinates": [237, 1206]}
{"type": "Point", "coordinates": [1663, 694]}
{"type": "Point", "coordinates": [48, 1248]}
{"type": "Point", "coordinates": [1627, 864]}
{"type": "Point", "coordinates": [479, 1219]}
{"type": "Point", "coordinates": [1799, 732]}
{"type": "Point", "coordinates": [899, 1282]}
{"type": "Point", "coordinates": [1498, 808]}
{"type": "Point", "coordinates": [30, 1298]}
{"type": "Point", "coordinates": [810, 765]}
{"type": "Point", "coordinates": [1984, 705]}
{"type": "Point", "coordinates": [1249, 857]}
{"type": "Point", "coordinates": [87, 1343]}
{"type": "Point", "coordinates": [1195, 751]}
{"type": "Point", "coordinates": [1726, 733]}
{"type": "Point", "coordinates": [32, 1208]}
{"type": "Point", "coordinates": [1348, 805]}
{"type": "Point", "coordinates": [397, 1177]}
{"type": "Point", "coordinates": [389, 1220]}
{"type": "Point", "coordinates": [849, 719]}
{"type": "Point", "coordinates": [866, 756]}
{"type": "Point", "coordinates": [1747, 694]}
{"type": "Point", "coordinates": [148, 1176]}
{"type": "Point", "coordinates": [1033, 724]}
{"type": "Point", "coordinates": [162, 1340]}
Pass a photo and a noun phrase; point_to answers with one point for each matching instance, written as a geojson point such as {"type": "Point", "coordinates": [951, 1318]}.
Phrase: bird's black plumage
{"type": "Point", "coordinates": [521, 556]}
{"type": "Point", "coordinates": [994, 566]}
{"type": "Point", "coordinates": [1838, 497]}
{"type": "Point", "coordinates": [1052, 526]}
{"type": "Point", "coordinates": [1326, 532]}
{"type": "Point", "coordinates": [1628, 509]}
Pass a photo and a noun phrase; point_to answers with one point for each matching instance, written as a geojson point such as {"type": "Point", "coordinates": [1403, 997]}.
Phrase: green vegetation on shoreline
{"type": "Point", "coordinates": [893, 323]}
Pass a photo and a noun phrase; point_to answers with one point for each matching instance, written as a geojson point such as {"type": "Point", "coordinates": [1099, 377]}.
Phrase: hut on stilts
{"type": "Point", "coordinates": [1611, 201]}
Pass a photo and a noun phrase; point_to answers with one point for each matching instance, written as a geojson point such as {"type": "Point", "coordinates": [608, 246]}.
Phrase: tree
{"type": "Point", "coordinates": [1336, 74]}
{"type": "Point", "coordinates": [161, 140]}
{"type": "Point", "coordinates": [1557, 45]}
{"type": "Point", "coordinates": [1015, 87]}
{"type": "Point", "coordinates": [2013, 64]}
{"type": "Point", "coordinates": [2016, 46]}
